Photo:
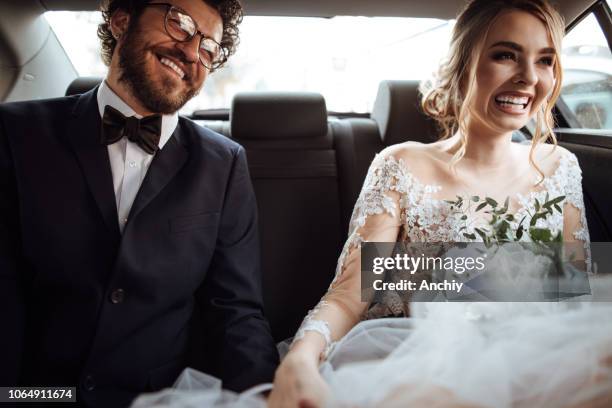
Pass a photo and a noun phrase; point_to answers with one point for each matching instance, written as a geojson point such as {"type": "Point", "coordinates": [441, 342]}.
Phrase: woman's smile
{"type": "Point", "coordinates": [513, 103]}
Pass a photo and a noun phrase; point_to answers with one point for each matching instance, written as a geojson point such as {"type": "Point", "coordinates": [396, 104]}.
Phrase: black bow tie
{"type": "Point", "coordinates": [144, 132]}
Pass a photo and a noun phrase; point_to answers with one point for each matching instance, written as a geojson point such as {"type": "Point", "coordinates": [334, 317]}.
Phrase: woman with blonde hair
{"type": "Point", "coordinates": [503, 70]}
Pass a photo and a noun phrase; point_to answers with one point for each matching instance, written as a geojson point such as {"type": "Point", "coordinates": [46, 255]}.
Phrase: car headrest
{"type": "Point", "coordinates": [399, 116]}
{"type": "Point", "coordinates": [83, 84]}
{"type": "Point", "coordinates": [278, 115]}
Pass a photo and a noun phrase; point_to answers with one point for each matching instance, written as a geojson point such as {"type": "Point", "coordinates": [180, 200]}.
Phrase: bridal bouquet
{"type": "Point", "coordinates": [499, 228]}
{"type": "Point", "coordinates": [522, 253]}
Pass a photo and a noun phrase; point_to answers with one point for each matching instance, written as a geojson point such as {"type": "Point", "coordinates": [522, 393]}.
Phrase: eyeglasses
{"type": "Point", "coordinates": [182, 27]}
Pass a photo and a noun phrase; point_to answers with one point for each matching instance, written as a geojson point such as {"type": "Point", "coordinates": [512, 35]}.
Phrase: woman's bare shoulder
{"type": "Point", "coordinates": [545, 155]}
{"type": "Point", "coordinates": [410, 152]}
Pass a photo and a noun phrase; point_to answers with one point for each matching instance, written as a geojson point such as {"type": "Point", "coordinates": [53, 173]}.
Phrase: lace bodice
{"type": "Point", "coordinates": [395, 205]}
{"type": "Point", "coordinates": [426, 218]}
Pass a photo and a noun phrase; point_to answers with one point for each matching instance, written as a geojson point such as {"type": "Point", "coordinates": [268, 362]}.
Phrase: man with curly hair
{"type": "Point", "coordinates": [128, 235]}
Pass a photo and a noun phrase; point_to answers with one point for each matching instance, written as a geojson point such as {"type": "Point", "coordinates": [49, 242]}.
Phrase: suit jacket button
{"type": "Point", "coordinates": [117, 296]}
{"type": "Point", "coordinates": [89, 384]}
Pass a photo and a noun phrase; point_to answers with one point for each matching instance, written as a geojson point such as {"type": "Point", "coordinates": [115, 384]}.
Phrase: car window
{"type": "Point", "coordinates": [586, 91]}
{"type": "Point", "coordinates": [343, 58]}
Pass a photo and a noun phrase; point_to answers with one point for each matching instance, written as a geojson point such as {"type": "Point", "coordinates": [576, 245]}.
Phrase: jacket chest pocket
{"type": "Point", "coordinates": [209, 220]}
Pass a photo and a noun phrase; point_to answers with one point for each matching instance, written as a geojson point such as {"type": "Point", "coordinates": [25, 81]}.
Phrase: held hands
{"type": "Point", "coordinates": [298, 383]}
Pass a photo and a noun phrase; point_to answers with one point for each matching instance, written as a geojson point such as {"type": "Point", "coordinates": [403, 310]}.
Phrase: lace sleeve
{"type": "Point", "coordinates": [376, 217]}
{"type": "Point", "coordinates": [575, 228]}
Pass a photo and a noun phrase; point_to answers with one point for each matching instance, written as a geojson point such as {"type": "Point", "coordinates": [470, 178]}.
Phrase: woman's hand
{"type": "Point", "coordinates": [298, 383]}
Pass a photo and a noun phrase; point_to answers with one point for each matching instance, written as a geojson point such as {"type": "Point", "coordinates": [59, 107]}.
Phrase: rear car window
{"type": "Point", "coordinates": [343, 58]}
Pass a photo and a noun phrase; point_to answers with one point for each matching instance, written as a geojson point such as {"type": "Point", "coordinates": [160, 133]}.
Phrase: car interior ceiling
{"type": "Point", "coordinates": [307, 167]}
{"type": "Point", "coordinates": [393, 8]}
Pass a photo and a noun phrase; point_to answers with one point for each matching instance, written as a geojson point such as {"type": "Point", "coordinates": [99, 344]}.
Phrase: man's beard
{"type": "Point", "coordinates": [156, 97]}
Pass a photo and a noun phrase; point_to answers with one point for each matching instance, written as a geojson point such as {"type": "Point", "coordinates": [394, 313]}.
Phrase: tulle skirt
{"type": "Point", "coordinates": [452, 355]}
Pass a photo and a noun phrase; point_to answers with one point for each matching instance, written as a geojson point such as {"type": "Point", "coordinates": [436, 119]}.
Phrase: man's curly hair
{"type": "Point", "coordinates": [229, 10]}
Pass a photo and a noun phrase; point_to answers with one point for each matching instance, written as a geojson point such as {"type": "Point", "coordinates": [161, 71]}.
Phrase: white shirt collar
{"type": "Point", "coordinates": [106, 96]}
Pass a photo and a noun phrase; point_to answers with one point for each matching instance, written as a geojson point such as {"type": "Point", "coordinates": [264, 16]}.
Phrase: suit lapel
{"type": "Point", "coordinates": [84, 136]}
{"type": "Point", "coordinates": [164, 166]}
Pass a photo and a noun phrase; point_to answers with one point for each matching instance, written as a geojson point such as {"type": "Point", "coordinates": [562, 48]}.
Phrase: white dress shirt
{"type": "Point", "coordinates": [129, 163]}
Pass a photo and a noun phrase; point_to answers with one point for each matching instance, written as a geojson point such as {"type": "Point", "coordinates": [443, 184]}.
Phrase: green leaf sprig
{"type": "Point", "coordinates": [499, 228]}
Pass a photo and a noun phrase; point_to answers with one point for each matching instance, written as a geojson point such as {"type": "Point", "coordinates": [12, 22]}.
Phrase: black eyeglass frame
{"type": "Point", "coordinates": [219, 61]}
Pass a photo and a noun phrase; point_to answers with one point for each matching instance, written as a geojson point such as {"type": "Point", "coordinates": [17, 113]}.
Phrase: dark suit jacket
{"type": "Point", "coordinates": [116, 315]}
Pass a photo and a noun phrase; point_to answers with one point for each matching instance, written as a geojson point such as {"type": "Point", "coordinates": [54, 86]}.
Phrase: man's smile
{"type": "Point", "coordinates": [174, 67]}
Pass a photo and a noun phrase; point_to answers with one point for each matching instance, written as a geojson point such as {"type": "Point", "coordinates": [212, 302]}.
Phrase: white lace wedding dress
{"type": "Point", "coordinates": [547, 354]}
